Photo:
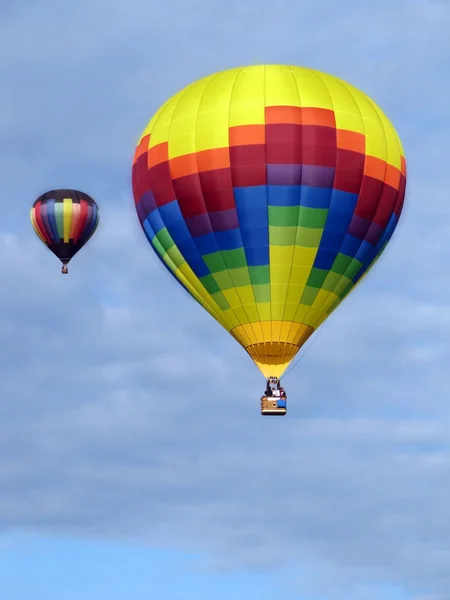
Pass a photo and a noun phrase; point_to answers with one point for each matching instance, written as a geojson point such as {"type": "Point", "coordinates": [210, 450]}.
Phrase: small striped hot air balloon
{"type": "Point", "coordinates": [64, 220]}
{"type": "Point", "coordinates": [269, 191]}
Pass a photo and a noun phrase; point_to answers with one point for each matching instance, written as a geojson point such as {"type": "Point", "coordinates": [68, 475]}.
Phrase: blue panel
{"type": "Point", "coordinates": [281, 403]}
{"type": "Point", "coordinates": [315, 197]}
{"type": "Point", "coordinates": [366, 253]}
{"type": "Point", "coordinates": [331, 241]}
{"type": "Point", "coordinates": [199, 267]}
{"type": "Point", "coordinates": [350, 245]}
{"type": "Point", "coordinates": [338, 222]}
{"type": "Point", "coordinates": [206, 244]}
{"type": "Point", "coordinates": [154, 218]}
{"type": "Point", "coordinates": [324, 259]}
{"type": "Point", "coordinates": [229, 240]}
{"type": "Point", "coordinates": [148, 229]}
{"type": "Point", "coordinates": [257, 257]}
{"type": "Point", "coordinates": [284, 195]}
{"type": "Point", "coordinates": [52, 220]}
{"type": "Point", "coordinates": [255, 237]}
{"type": "Point", "coordinates": [250, 203]}
{"type": "Point", "coordinates": [387, 233]}
{"type": "Point", "coordinates": [343, 202]}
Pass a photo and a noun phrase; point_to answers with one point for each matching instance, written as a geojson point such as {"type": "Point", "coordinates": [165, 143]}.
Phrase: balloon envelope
{"type": "Point", "coordinates": [268, 192]}
{"type": "Point", "coordinates": [64, 220]}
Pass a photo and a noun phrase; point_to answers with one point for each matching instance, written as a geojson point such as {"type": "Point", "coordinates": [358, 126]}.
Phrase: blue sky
{"type": "Point", "coordinates": [107, 489]}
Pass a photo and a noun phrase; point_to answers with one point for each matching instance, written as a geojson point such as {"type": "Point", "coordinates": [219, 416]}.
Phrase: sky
{"type": "Point", "coordinates": [126, 469]}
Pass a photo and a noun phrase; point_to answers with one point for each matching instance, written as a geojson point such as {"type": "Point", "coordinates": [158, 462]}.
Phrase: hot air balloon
{"type": "Point", "coordinates": [64, 220]}
{"type": "Point", "coordinates": [269, 191]}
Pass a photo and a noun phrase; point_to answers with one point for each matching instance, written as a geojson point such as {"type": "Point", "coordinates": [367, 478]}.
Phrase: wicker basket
{"type": "Point", "coordinates": [270, 406]}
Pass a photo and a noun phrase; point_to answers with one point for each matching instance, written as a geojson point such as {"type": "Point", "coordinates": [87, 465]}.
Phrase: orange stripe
{"type": "Point", "coordinates": [141, 148]}
{"type": "Point", "coordinates": [183, 165]}
{"type": "Point", "coordinates": [392, 177]}
{"type": "Point", "coordinates": [209, 160]}
{"type": "Point", "coordinates": [158, 154]}
{"type": "Point", "coordinates": [275, 115]}
{"type": "Point", "coordinates": [245, 135]}
{"type": "Point", "coordinates": [318, 116]}
{"type": "Point", "coordinates": [350, 140]}
{"type": "Point", "coordinates": [403, 165]}
{"type": "Point", "coordinates": [375, 167]}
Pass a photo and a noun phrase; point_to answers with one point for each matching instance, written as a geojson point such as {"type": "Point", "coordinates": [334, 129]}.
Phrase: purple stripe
{"type": "Point", "coordinates": [284, 174]}
{"type": "Point", "coordinates": [314, 176]}
{"type": "Point", "coordinates": [359, 227]}
{"type": "Point", "coordinates": [45, 221]}
{"type": "Point", "coordinates": [374, 234]}
{"type": "Point", "coordinates": [199, 225]}
{"type": "Point", "coordinates": [146, 205]}
{"type": "Point", "coordinates": [223, 220]}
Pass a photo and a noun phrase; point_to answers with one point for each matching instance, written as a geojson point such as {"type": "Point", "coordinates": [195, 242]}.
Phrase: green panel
{"type": "Point", "coordinates": [282, 236]}
{"type": "Point", "coordinates": [262, 293]}
{"type": "Point", "coordinates": [346, 290]}
{"type": "Point", "coordinates": [312, 217]}
{"type": "Point", "coordinates": [176, 256]}
{"type": "Point", "coordinates": [310, 238]}
{"type": "Point", "coordinates": [158, 247]}
{"type": "Point", "coordinates": [59, 217]}
{"type": "Point", "coordinates": [215, 262]}
{"type": "Point", "coordinates": [240, 276]}
{"type": "Point", "coordinates": [317, 277]}
{"type": "Point", "coordinates": [353, 269]}
{"type": "Point", "coordinates": [165, 239]}
{"type": "Point", "coordinates": [235, 259]}
{"type": "Point", "coordinates": [223, 280]}
{"type": "Point", "coordinates": [283, 216]}
{"type": "Point", "coordinates": [220, 300]}
{"type": "Point", "coordinates": [210, 284]}
{"type": "Point", "coordinates": [260, 275]}
{"type": "Point", "coordinates": [309, 295]}
{"type": "Point", "coordinates": [341, 263]}
{"type": "Point", "coordinates": [331, 282]}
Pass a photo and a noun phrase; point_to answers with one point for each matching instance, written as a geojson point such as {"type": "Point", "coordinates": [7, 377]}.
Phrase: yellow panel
{"type": "Point", "coordinates": [295, 293]}
{"type": "Point", "coordinates": [232, 297]}
{"type": "Point", "coordinates": [313, 92]}
{"type": "Point", "coordinates": [301, 313]}
{"type": "Point", "coordinates": [277, 311]}
{"type": "Point", "coordinates": [229, 314]}
{"type": "Point", "coordinates": [264, 311]}
{"type": "Point", "coordinates": [182, 126]}
{"type": "Point", "coordinates": [324, 300]}
{"type": "Point", "coordinates": [212, 121]}
{"type": "Point", "coordinates": [252, 312]}
{"type": "Point", "coordinates": [281, 87]}
{"type": "Point", "coordinates": [279, 256]}
{"type": "Point", "coordinates": [241, 314]}
{"type": "Point", "coordinates": [304, 257]}
{"type": "Point", "coordinates": [278, 292]}
{"type": "Point", "coordinates": [280, 274]}
{"type": "Point", "coordinates": [290, 310]}
{"type": "Point", "coordinates": [299, 276]}
{"type": "Point", "coordinates": [276, 330]}
{"type": "Point", "coordinates": [246, 294]}
{"type": "Point", "coordinates": [247, 100]}
{"type": "Point", "coordinates": [67, 218]}
{"type": "Point", "coordinates": [160, 124]}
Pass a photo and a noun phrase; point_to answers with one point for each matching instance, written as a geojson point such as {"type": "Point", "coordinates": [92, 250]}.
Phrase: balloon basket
{"type": "Point", "coordinates": [273, 407]}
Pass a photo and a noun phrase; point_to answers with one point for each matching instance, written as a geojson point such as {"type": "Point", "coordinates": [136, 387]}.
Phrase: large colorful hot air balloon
{"type": "Point", "coordinates": [268, 192]}
{"type": "Point", "coordinates": [64, 220]}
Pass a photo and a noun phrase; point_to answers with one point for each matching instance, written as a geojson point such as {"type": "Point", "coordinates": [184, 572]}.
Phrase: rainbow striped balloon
{"type": "Point", "coordinates": [64, 220]}
{"type": "Point", "coordinates": [268, 192]}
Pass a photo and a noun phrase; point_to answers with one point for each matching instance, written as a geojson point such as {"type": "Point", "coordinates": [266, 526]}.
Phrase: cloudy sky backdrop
{"type": "Point", "coordinates": [114, 482]}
